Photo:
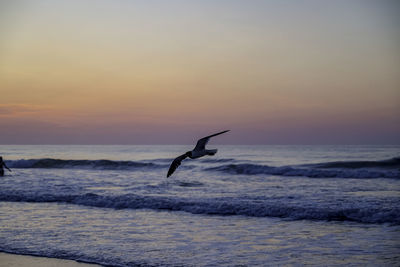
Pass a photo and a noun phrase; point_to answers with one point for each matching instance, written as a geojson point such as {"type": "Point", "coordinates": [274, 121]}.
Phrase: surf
{"type": "Point", "coordinates": [217, 206]}
{"type": "Point", "coordinates": [344, 169]}
{"type": "Point", "coordinates": [50, 163]}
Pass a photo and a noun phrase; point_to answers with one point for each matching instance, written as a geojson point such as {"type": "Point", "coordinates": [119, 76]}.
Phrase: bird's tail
{"type": "Point", "coordinates": [211, 152]}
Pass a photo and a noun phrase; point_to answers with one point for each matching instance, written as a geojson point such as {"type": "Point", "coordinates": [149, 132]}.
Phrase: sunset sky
{"type": "Point", "coordinates": [168, 72]}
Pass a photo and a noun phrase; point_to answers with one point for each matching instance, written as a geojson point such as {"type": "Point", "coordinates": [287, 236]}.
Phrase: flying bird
{"type": "Point", "coordinates": [199, 151]}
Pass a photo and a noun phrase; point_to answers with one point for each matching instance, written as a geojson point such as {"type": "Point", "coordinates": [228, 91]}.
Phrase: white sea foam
{"type": "Point", "coordinates": [219, 206]}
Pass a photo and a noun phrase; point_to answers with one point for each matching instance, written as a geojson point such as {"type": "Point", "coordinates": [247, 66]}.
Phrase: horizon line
{"type": "Point", "coordinates": [155, 144]}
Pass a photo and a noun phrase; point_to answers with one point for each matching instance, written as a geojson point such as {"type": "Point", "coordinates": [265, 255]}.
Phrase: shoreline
{"type": "Point", "coordinates": [18, 260]}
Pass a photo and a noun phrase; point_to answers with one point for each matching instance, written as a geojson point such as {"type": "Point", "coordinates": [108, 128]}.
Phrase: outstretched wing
{"type": "Point", "coordinates": [175, 164]}
{"type": "Point", "coordinates": [201, 144]}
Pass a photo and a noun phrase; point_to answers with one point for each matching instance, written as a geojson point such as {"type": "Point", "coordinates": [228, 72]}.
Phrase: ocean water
{"type": "Point", "coordinates": [245, 206]}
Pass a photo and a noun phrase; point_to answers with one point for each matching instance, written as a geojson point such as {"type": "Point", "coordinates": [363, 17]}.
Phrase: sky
{"type": "Point", "coordinates": [170, 72]}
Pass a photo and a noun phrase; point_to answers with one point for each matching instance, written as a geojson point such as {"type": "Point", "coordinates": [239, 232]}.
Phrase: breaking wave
{"type": "Point", "coordinates": [218, 206]}
{"type": "Point", "coordinates": [85, 164]}
{"type": "Point", "coordinates": [392, 163]}
{"type": "Point", "coordinates": [341, 169]}
{"type": "Point", "coordinates": [253, 169]}
{"type": "Point", "coordinates": [346, 169]}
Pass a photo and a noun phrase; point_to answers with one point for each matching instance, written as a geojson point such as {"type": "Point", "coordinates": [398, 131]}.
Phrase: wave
{"type": "Point", "coordinates": [253, 169]}
{"type": "Point", "coordinates": [86, 164]}
{"type": "Point", "coordinates": [211, 160]}
{"type": "Point", "coordinates": [340, 169]}
{"type": "Point", "coordinates": [346, 169]}
{"type": "Point", "coordinates": [387, 164]}
{"type": "Point", "coordinates": [219, 206]}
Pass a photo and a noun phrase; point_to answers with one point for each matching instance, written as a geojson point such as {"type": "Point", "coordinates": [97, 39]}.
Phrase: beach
{"type": "Point", "coordinates": [247, 205]}
{"type": "Point", "coordinates": [199, 133]}
{"type": "Point", "coordinates": [14, 260]}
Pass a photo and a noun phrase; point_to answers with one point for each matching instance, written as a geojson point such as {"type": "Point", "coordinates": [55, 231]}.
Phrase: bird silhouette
{"type": "Point", "coordinates": [198, 152]}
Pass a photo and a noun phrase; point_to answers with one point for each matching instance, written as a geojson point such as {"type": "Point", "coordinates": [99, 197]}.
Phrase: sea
{"type": "Point", "coordinates": [245, 206]}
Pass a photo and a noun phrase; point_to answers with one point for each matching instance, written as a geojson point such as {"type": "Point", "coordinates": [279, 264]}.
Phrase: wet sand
{"type": "Point", "coordinates": [14, 260]}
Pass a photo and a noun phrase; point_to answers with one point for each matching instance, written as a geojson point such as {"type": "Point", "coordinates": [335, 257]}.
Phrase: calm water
{"type": "Point", "coordinates": [245, 206]}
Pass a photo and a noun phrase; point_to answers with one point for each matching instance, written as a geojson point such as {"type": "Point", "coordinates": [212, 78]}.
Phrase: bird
{"type": "Point", "coordinates": [198, 152]}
